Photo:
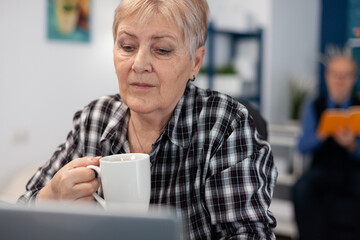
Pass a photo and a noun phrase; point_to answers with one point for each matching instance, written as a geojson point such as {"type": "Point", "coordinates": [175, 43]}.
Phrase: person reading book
{"type": "Point", "coordinates": [327, 196]}
{"type": "Point", "coordinates": [332, 120]}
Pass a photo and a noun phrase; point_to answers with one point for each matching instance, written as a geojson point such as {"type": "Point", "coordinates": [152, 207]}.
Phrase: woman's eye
{"type": "Point", "coordinates": [127, 48]}
{"type": "Point", "coordinates": [163, 51]}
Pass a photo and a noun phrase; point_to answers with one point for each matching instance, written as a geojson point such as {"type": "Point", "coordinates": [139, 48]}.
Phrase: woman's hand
{"type": "Point", "coordinates": [72, 182]}
{"type": "Point", "coordinates": [346, 138]}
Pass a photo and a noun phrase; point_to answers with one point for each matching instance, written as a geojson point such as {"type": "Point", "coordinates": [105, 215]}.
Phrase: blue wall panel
{"type": "Point", "coordinates": [334, 27]}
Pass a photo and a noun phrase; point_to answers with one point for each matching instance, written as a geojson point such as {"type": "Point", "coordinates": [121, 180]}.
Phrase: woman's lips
{"type": "Point", "coordinates": [141, 85]}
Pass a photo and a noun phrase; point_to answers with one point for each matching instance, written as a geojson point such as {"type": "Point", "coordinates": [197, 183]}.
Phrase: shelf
{"type": "Point", "coordinates": [255, 34]}
{"type": "Point", "coordinates": [235, 37]}
{"type": "Point", "coordinates": [286, 179]}
{"type": "Point", "coordinates": [284, 214]}
{"type": "Point", "coordinates": [283, 141]}
{"type": "Point", "coordinates": [353, 42]}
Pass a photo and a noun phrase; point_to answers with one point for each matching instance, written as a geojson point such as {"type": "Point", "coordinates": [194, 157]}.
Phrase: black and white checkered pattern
{"type": "Point", "coordinates": [208, 163]}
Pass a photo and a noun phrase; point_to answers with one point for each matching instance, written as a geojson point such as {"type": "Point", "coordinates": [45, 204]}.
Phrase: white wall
{"type": "Point", "coordinates": [43, 83]}
{"type": "Point", "coordinates": [259, 10]}
{"type": "Point", "coordinates": [292, 52]}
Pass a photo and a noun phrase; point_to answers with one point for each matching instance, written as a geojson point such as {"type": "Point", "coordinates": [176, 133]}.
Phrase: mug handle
{"type": "Point", "coordinates": [99, 199]}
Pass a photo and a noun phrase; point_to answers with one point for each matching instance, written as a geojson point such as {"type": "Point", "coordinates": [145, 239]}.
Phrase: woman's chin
{"type": "Point", "coordinates": [141, 108]}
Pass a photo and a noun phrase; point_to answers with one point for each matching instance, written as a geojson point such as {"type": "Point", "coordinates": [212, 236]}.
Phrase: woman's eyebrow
{"type": "Point", "coordinates": [157, 37]}
{"type": "Point", "coordinates": [154, 37]}
{"type": "Point", "coordinates": [127, 33]}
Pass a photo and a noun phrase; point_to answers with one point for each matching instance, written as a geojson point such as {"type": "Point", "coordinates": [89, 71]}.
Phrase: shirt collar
{"type": "Point", "coordinates": [331, 104]}
{"type": "Point", "coordinates": [179, 129]}
{"type": "Point", "coordinates": [117, 125]}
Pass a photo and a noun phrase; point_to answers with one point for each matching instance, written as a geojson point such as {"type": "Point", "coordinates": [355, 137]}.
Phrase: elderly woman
{"type": "Point", "coordinates": [207, 160]}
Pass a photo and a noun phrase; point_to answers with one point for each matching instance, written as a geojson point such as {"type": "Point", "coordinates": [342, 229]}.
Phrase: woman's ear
{"type": "Point", "coordinates": [198, 60]}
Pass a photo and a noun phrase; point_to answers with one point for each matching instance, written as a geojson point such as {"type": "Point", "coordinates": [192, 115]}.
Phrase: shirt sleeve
{"type": "Point", "coordinates": [63, 154]}
{"type": "Point", "coordinates": [356, 154]}
{"type": "Point", "coordinates": [239, 190]}
{"type": "Point", "coordinates": [308, 140]}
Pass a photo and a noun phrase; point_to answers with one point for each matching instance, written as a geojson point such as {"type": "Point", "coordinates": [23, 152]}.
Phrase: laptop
{"type": "Point", "coordinates": [57, 222]}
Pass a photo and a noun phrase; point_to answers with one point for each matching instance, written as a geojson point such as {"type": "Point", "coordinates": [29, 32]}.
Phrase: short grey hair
{"type": "Point", "coordinates": [191, 16]}
{"type": "Point", "coordinates": [334, 51]}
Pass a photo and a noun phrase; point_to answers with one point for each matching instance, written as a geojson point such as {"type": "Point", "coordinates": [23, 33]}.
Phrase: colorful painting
{"type": "Point", "coordinates": [68, 20]}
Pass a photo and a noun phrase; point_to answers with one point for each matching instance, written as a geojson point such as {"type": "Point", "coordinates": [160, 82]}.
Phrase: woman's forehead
{"type": "Point", "coordinates": [157, 25]}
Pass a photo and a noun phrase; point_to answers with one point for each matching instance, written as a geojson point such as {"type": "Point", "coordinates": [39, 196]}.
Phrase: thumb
{"type": "Point", "coordinates": [83, 162]}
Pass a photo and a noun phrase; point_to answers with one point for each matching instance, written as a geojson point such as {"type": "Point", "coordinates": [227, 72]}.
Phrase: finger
{"type": "Point", "coordinates": [83, 190]}
{"type": "Point", "coordinates": [86, 199]}
{"type": "Point", "coordinates": [82, 174]}
{"type": "Point", "coordinates": [339, 139]}
{"type": "Point", "coordinates": [322, 136]}
{"type": "Point", "coordinates": [338, 134]}
{"type": "Point", "coordinates": [83, 162]}
{"type": "Point", "coordinates": [64, 181]}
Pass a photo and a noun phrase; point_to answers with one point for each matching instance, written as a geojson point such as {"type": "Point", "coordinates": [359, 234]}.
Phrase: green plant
{"type": "Point", "coordinates": [227, 69]}
{"type": "Point", "coordinates": [299, 91]}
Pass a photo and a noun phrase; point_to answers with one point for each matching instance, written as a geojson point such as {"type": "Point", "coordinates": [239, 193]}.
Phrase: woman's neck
{"type": "Point", "coordinates": [143, 130]}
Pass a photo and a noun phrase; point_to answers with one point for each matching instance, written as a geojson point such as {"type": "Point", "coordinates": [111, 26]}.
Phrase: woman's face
{"type": "Point", "coordinates": [153, 64]}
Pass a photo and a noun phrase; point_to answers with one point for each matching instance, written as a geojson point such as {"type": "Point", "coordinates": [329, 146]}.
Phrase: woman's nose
{"type": "Point", "coordinates": [142, 61]}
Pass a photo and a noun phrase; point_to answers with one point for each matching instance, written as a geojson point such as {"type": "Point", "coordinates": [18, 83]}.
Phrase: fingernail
{"type": "Point", "coordinates": [93, 159]}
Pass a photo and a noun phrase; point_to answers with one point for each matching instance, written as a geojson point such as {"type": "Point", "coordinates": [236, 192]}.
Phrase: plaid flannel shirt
{"type": "Point", "coordinates": [209, 162]}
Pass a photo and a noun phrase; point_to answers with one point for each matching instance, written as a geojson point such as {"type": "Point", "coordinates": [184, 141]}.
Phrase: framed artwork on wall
{"type": "Point", "coordinates": [68, 20]}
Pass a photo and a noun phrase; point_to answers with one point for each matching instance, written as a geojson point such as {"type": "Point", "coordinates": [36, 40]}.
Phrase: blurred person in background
{"type": "Point", "coordinates": [327, 196]}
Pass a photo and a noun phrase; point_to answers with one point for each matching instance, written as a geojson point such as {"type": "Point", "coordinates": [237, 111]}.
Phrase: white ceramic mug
{"type": "Point", "coordinates": [125, 180]}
